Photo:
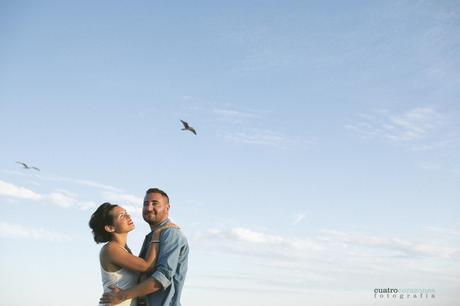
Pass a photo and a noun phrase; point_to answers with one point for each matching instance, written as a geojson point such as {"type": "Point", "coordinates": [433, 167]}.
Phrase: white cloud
{"type": "Point", "coordinates": [240, 128]}
{"type": "Point", "coordinates": [412, 125]}
{"type": "Point", "coordinates": [428, 165]}
{"type": "Point", "coordinates": [82, 182]}
{"type": "Point", "coordinates": [297, 263]}
{"type": "Point", "coordinates": [345, 244]}
{"type": "Point", "coordinates": [16, 231]}
{"type": "Point", "coordinates": [58, 178]}
{"type": "Point", "coordinates": [299, 218]}
{"type": "Point", "coordinates": [123, 198]}
{"type": "Point", "coordinates": [258, 137]}
{"type": "Point", "coordinates": [68, 199]}
{"type": "Point", "coordinates": [66, 192]}
{"type": "Point", "coordinates": [247, 127]}
{"type": "Point", "coordinates": [233, 114]}
{"type": "Point", "coordinates": [11, 190]}
{"type": "Point", "coordinates": [244, 239]}
{"type": "Point", "coordinates": [251, 236]}
{"type": "Point", "coordinates": [444, 230]}
{"type": "Point", "coordinates": [132, 203]}
{"type": "Point", "coordinates": [61, 199]}
{"type": "Point", "coordinates": [86, 205]}
{"type": "Point", "coordinates": [397, 245]}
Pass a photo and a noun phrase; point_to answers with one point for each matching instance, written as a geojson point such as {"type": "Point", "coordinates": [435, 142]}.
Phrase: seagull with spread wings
{"type": "Point", "coordinates": [26, 166]}
{"type": "Point", "coordinates": [187, 127]}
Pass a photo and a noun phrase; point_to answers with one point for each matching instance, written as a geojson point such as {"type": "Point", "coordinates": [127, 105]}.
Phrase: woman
{"type": "Point", "coordinates": [119, 267]}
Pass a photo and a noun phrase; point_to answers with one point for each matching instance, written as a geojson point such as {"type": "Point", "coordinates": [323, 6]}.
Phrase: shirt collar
{"type": "Point", "coordinates": [161, 224]}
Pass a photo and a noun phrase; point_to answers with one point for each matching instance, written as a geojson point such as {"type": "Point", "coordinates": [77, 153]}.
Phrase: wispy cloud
{"type": "Point", "coordinates": [66, 199]}
{"type": "Point", "coordinates": [82, 182]}
{"type": "Point", "coordinates": [339, 242]}
{"type": "Point", "coordinates": [243, 240]}
{"type": "Point", "coordinates": [408, 126]}
{"type": "Point", "coordinates": [241, 128]}
{"type": "Point", "coordinates": [132, 203]}
{"type": "Point", "coordinates": [123, 198]}
{"type": "Point", "coordinates": [431, 166]}
{"type": "Point", "coordinates": [397, 245]}
{"type": "Point", "coordinates": [419, 129]}
{"type": "Point", "coordinates": [60, 198]}
{"type": "Point", "coordinates": [444, 230]}
{"type": "Point", "coordinates": [299, 218]}
{"type": "Point", "coordinates": [413, 124]}
{"type": "Point", "coordinates": [245, 126]}
{"type": "Point", "coordinates": [330, 258]}
{"type": "Point", "coordinates": [260, 137]}
{"type": "Point", "coordinates": [14, 191]}
{"type": "Point", "coordinates": [234, 116]}
{"type": "Point", "coordinates": [64, 179]}
{"type": "Point", "coordinates": [233, 113]}
{"type": "Point", "coordinates": [17, 231]}
{"type": "Point", "coordinates": [86, 205]}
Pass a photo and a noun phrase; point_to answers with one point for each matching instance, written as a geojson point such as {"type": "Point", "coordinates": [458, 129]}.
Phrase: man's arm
{"type": "Point", "coordinates": [168, 257]}
{"type": "Point", "coordinates": [116, 296]}
{"type": "Point", "coordinates": [150, 285]}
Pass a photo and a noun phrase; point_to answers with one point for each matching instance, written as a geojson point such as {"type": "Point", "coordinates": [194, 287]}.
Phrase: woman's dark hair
{"type": "Point", "coordinates": [100, 218]}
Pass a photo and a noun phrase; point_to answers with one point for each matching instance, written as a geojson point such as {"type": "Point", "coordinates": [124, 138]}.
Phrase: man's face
{"type": "Point", "coordinates": [156, 208]}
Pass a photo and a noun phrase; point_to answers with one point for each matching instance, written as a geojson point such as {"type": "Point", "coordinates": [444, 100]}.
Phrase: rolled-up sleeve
{"type": "Point", "coordinates": [168, 257]}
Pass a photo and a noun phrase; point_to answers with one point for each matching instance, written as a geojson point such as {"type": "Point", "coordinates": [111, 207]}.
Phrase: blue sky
{"type": "Point", "coordinates": [326, 161]}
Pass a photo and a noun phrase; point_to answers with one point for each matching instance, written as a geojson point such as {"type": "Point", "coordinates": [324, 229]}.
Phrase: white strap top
{"type": "Point", "coordinates": [122, 279]}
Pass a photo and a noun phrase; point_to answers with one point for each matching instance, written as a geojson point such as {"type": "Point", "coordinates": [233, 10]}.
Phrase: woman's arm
{"type": "Point", "coordinates": [120, 257]}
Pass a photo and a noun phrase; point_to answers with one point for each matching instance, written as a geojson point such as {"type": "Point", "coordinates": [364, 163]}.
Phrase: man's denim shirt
{"type": "Point", "coordinates": [171, 266]}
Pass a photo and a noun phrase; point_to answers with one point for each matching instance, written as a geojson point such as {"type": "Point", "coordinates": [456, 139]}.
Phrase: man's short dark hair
{"type": "Point", "coordinates": [157, 190]}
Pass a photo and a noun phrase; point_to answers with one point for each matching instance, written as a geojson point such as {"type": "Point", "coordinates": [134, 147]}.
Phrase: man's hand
{"type": "Point", "coordinates": [113, 297]}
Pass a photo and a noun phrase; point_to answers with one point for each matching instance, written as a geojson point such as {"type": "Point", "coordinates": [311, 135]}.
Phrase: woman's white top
{"type": "Point", "coordinates": [122, 279]}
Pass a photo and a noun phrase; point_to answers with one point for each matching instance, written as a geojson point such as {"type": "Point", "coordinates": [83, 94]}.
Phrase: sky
{"type": "Point", "coordinates": [326, 162]}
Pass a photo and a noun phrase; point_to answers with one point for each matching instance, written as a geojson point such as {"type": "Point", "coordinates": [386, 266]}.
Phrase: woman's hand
{"type": "Point", "coordinates": [157, 232]}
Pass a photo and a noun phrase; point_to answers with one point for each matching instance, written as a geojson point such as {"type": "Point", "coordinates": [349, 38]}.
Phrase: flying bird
{"type": "Point", "coordinates": [26, 166]}
{"type": "Point", "coordinates": [187, 127]}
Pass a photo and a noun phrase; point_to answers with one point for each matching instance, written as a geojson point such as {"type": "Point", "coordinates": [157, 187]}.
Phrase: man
{"type": "Point", "coordinates": [164, 285]}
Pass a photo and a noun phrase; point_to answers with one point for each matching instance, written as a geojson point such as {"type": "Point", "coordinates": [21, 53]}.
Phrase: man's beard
{"type": "Point", "coordinates": [155, 219]}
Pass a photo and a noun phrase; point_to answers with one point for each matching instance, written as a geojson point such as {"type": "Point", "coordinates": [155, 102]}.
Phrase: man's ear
{"type": "Point", "coordinates": [109, 228]}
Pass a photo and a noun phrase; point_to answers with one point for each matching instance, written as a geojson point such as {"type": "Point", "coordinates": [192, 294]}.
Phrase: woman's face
{"type": "Point", "coordinates": [122, 220]}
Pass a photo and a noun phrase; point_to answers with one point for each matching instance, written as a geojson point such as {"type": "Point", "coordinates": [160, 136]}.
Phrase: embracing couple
{"type": "Point", "coordinates": [159, 271]}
